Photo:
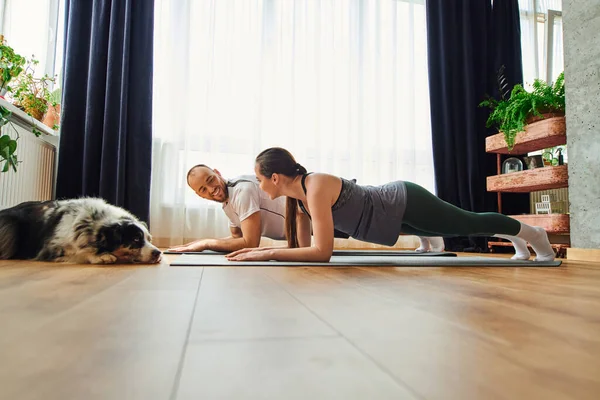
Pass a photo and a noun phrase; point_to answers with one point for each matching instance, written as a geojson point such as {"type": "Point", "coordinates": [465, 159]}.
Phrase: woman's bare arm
{"type": "Point", "coordinates": [319, 200]}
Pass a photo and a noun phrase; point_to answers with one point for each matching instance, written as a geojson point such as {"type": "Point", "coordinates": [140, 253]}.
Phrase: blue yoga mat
{"type": "Point", "coordinates": [198, 260]}
{"type": "Point", "coordinates": [404, 253]}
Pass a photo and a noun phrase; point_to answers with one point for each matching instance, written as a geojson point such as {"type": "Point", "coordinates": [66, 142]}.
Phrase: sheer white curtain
{"type": "Point", "coordinates": [534, 19]}
{"type": "Point", "coordinates": [342, 84]}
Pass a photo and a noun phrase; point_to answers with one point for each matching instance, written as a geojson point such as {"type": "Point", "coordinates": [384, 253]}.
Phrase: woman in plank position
{"type": "Point", "coordinates": [375, 214]}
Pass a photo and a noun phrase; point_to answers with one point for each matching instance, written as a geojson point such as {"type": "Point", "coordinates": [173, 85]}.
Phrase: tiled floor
{"type": "Point", "coordinates": [160, 332]}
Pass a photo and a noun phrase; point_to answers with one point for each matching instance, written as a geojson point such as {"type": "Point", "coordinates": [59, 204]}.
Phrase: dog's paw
{"type": "Point", "coordinates": [105, 258]}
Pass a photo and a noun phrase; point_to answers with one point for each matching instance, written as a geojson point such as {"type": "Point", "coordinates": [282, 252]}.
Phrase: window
{"type": "Point", "coordinates": [35, 28]}
{"type": "Point", "coordinates": [341, 84]}
{"type": "Point", "coordinates": [541, 39]}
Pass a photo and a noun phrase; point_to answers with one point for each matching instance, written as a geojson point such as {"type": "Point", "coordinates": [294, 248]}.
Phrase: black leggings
{"type": "Point", "coordinates": [427, 215]}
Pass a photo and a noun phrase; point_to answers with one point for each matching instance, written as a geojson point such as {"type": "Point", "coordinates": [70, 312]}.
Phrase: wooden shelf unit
{"type": "Point", "coordinates": [538, 135]}
{"type": "Point", "coordinates": [530, 180]}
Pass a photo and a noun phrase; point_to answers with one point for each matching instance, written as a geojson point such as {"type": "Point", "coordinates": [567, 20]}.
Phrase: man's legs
{"type": "Point", "coordinates": [428, 241]}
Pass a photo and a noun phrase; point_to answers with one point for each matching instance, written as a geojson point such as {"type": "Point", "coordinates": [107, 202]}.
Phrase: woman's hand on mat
{"type": "Point", "coordinates": [247, 249]}
{"type": "Point", "coordinates": [250, 254]}
{"type": "Point", "coordinates": [198, 245]}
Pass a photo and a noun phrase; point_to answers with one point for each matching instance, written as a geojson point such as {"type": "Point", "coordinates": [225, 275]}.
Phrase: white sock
{"type": "Point", "coordinates": [437, 243]}
{"type": "Point", "coordinates": [424, 245]}
{"type": "Point", "coordinates": [432, 243]}
{"type": "Point", "coordinates": [520, 245]}
{"type": "Point", "coordinates": [538, 239]}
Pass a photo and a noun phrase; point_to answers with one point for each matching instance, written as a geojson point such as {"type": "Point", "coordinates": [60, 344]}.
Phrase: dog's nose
{"type": "Point", "coordinates": [156, 253]}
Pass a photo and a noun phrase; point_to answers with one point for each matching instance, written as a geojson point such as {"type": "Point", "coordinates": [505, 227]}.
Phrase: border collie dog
{"type": "Point", "coordinates": [84, 230]}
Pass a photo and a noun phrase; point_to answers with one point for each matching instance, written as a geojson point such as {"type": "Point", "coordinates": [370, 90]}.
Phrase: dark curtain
{"type": "Point", "coordinates": [106, 130]}
{"type": "Point", "coordinates": [460, 65]}
{"type": "Point", "coordinates": [468, 43]}
{"type": "Point", "coordinates": [508, 64]}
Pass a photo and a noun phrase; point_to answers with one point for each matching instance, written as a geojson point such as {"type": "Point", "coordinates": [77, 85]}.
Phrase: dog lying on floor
{"type": "Point", "coordinates": [84, 230]}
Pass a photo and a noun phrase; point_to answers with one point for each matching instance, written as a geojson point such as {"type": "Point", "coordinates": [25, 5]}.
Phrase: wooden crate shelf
{"type": "Point", "coordinates": [552, 223]}
{"type": "Point", "coordinates": [539, 135]}
{"type": "Point", "coordinates": [530, 180]}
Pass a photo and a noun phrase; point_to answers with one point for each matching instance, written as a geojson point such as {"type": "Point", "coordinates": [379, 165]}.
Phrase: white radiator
{"type": "Point", "coordinates": [35, 176]}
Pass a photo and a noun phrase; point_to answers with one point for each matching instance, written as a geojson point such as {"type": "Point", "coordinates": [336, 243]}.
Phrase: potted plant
{"type": "Point", "coordinates": [11, 65]}
{"type": "Point", "coordinates": [8, 142]}
{"type": "Point", "coordinates": [32, 94]}
{"type": "Point", "coordinates": [52, 116]}
{"type": "Point", "coordinates": [512, 113]}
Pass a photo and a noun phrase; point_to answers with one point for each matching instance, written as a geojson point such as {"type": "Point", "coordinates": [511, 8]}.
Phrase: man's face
{"type": "Point", "coordinates": [208, 184]}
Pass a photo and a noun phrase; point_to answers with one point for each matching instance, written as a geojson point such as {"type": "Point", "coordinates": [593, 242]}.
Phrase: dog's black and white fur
{"type": "Point", "coordinates": [84, 230]}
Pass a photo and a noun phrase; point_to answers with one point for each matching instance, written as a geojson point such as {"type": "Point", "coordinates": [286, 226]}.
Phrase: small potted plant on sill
{"type": "Point", "coordinates": [11, 65]}
{"type": "Point", "coordinates": [52, 116]}
{"type": "Point", "coordinates": [512, 113]}
{"type": "Point", "coordinates": [32, 94]}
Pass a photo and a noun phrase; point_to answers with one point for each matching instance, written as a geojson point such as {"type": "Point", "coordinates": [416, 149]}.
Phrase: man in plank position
{"type": "Point", "coordinates": [252, 214]}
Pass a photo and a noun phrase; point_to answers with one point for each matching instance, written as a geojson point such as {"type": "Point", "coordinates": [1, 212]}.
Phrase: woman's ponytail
{"type": "Point", "coordinates": [300, 169]}
{"type": "Point", "coordinates": [291, 226]}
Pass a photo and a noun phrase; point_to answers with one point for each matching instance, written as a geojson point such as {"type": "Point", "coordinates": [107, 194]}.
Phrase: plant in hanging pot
{"type": "Point", "coordinates": [11, 66]}
{"type": "Point", "coordinates": [8, 143]}
{"type": "Point", "coordinates": [512, 113]}
{"type": "Point", "coordinates": [30, 93]}
{"type": "Point", "coordinates": [9, 136]}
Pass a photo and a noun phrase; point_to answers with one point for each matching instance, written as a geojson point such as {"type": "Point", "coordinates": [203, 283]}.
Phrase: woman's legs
{"type": "Point", "coordinates": [409, 230]}
{"type": "Point", "coordinates": [426, 212]}
{"type": "Point", "coordinates": [520, 245]}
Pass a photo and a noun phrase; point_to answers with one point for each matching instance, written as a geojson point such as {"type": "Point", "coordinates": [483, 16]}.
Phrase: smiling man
{"type": "Point", "coordinates": [252, 214]}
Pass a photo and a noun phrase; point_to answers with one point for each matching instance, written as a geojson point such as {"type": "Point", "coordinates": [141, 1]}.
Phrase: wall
{"type": "Point", "coordinates": [581, 30]}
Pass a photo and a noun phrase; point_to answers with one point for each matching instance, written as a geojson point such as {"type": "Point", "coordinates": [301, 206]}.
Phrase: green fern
{"type": "Point", "coordinates": [510, 115]}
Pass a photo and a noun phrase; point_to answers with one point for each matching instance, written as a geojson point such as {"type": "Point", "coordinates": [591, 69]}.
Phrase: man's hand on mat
{"type": "Point", "coordinates": [198, 245]}
{"type": "Point", "coordinates": [250, 254]}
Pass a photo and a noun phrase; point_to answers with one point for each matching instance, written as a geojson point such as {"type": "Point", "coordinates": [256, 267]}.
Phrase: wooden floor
{"type": "Point", "coordinates": [160, 332]}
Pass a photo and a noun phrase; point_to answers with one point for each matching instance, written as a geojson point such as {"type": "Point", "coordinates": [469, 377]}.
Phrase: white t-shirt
{"type": "Point", "coordinates": [246, 198]}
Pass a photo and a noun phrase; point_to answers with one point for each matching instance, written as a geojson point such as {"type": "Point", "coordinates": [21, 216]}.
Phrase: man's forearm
{"type": "Point", "coordinates": [229, 244]}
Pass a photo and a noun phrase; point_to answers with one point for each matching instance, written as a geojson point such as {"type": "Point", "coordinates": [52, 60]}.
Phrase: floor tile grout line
{"type": "Point", "coordinates": [177, 379]}
{"type": "Point", "coordinates": [263, 339]}
{"type": "Point", "coordinates": [383, 369]}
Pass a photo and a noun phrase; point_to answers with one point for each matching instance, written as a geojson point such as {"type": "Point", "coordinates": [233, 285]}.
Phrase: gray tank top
{"type": "Point", "coordinates": [368, 213]}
